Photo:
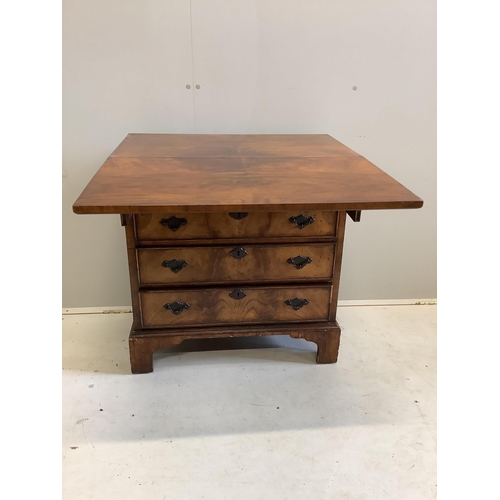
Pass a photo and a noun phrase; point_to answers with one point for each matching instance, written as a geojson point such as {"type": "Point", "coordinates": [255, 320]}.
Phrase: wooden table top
{"type": "Point", "coordinates": [217, 173]}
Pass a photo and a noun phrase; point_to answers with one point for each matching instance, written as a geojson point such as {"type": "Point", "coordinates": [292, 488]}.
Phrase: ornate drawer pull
{"type": "Point", "coordinates": [299, 262]}
{"type": "Point", "coordinates": [175, 265]}
{"type": "Point", "coordinates": [238, 294]}
{"type": "Point", "coordinates": [238, 215]}
{"type": "Point", "coordinates": [238, 253]}
{"type": "Point", "coordinates": [296, 303]}
{"type": "Point", "coordinates": [174, 223]}
{"type": "Point", "coordinates": [301, 221]}
{"type": "Point", "coordinates": [177, 307]}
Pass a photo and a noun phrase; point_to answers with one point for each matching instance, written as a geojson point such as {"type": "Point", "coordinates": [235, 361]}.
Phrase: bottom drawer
{"type": "Point", "coordinates": [234, 305]}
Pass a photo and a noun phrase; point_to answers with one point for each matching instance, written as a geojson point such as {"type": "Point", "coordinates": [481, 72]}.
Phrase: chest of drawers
{"type": "Point", "coordinates": [235, 236]}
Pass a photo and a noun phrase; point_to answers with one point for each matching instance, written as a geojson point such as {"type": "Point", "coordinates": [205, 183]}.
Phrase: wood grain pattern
{"type": "Point", "coordinates": [223, 145]}
{"type": "Point", "coordinates": [214, 306]}
{"type": "Point", "coordinates": [337, 264]}
{"type": "Point", "coordinates": [133, 269]}
{"type": "Point", "coordinates": [222, 225]}
{"type": "Point", "coordinates": [204, 264]}
{"type": "Point", "coordinates": [201, 178]}
{"type": "Point", "coordinates": [284, 180]}
{"type": "Point", "coordinates": [328, 343]}
{"type": "Point", "coordinates": [143, 343]}
{"type": "Point", "coordinates": [264, 263]}
{"type": "Point", "coordinates": [215, 264]}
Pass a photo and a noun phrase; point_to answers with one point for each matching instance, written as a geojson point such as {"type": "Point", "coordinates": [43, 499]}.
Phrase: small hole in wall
{"type": "Point", "coordinates": [355, 88]}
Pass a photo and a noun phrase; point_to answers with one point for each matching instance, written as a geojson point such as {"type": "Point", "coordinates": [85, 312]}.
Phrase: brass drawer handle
{"type": "Point", "coordinates": [296, 303]}
{"type": "Point", "coordinates": [177, 307]}
{"type": "Point", "coordinates": [238, 294]}
{"type": "Point", "coordinates": [238, 253]}
{"type": "Point", "coordinates": [174, 223]}
{"type": "Point", "coordinates": [301, 221]}
{"type": "Point", "coordinates": [175, 265]}
{"type": "Point", "coordinates": [238, 215]}
{"type": "Point", "coordinates": [299, 262]}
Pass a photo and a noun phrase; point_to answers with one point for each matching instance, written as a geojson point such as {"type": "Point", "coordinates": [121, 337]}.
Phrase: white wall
{"type": "Point", "coordinates": [263, 66]}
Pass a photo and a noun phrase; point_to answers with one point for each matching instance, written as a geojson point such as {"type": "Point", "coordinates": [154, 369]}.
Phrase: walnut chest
{"type": "Point", "coordinates": [236, 235]}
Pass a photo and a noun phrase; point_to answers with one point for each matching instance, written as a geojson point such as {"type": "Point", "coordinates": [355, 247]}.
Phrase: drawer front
{"type": "Point", "coordinates": [235, 263]}
{"type": "Point", "coordinates": [179, 226]}
{"type": "Point", "coordinates": [245, 305]}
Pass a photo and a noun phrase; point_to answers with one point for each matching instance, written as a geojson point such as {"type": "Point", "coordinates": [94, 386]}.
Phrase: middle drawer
{"type": "Point", "coordinates": [247, 263]}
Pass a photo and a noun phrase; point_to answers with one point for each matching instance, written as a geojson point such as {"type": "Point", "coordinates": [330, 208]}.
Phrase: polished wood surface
{"type": "Point", "coordinates": [224, 145]}
{"type": "Point", "coordinates": [337, 264]}
{"type": "Point", "coordinates": [128, 222]}
{"type": "Point", "coordinates": [215, 264]}
{"type": "Point", "coordinates": [236, 235]}
{"type": "Point", "coordinates": [207, 174]}
{"type": "Point", "coordinates": [222, 225]}
{"type": "Point", "coordinates": [144, 343]}
{"type": "Point", "coordinates": [211, 306]}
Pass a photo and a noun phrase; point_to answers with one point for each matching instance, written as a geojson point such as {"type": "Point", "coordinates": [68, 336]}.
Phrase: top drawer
{"type": "Point", "coordinates": [179, 226]}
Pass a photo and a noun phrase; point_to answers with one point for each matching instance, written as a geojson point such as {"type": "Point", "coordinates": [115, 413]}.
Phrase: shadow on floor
{"type": "Point", "coordinates": [258, 348]}
{"type": "Point", "coordinates": [211, 387]}
{"type": "Point", "coordinates": [108, 353]}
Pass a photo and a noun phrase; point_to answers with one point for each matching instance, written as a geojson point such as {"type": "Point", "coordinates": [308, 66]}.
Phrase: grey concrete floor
{"type": "Point", "coordinates": [253, 418]}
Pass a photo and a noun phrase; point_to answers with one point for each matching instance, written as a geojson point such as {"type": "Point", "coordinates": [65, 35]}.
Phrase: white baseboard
{"type": "Point", "coordinates": [342, 303]}
{"type": "Point", "coordinates": [97, 310]}
{"type": "Point", "coordinates": [387, 302]}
